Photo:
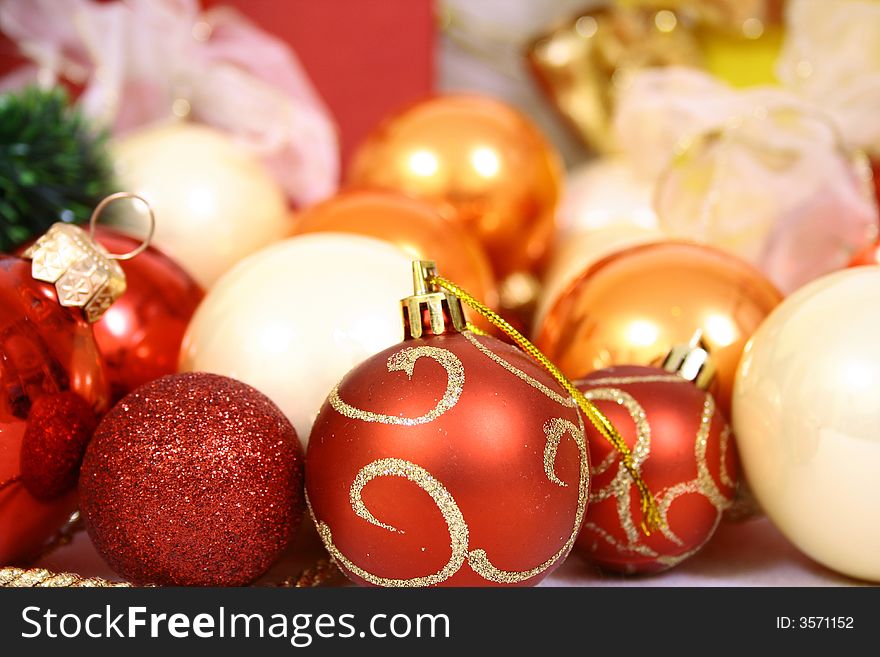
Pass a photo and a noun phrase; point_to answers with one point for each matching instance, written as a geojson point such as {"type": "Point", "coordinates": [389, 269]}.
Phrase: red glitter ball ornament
{"type": "Point", "coordinates": [450, 459]}
{"type": "Point", "coordinates": [193, 479]}
{"type": "Point", "coordinates": [48, 356]}
{"type": "Point", "coordinates": [140, 335]}
{"type": "Point", "coordinates": [685, 453]}
{"type": "Point", "coordinates": [59, 428]}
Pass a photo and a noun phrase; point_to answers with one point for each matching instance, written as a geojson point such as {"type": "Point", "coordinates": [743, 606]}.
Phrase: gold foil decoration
{"type": "Point", "coordinates": [430, 308]}
{"type": "Point", "coordinates": [584, 61]}
{"type": "Point", "coordinates": [692, 362]}
{"type": "Point", "coordinates": [84, 273]}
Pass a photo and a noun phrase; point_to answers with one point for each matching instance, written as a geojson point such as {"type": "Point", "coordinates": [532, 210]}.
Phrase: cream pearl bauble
{"type": "Point", "coordinates": [292, 319]}
{"type": "Point", "coordinates": [215, 203]}
{"type": "Point", "coordinates": [806, 414]}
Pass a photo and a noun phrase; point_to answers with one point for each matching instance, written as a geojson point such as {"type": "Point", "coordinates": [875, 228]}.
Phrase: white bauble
{"type": "Point", "coordinates": [215, 203]}
{"type": "Point", "coordinates": [293, 319]}
{"type": "Point", "coordinates": [806, 414]}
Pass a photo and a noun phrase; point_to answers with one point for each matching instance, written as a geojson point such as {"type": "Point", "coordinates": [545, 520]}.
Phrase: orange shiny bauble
{"type": "Point", "coordinates": [486, 164]}
{"type": "Point", "coordinates": [415, 226]}
{"type": "Point", "coordinates": [634, 305]}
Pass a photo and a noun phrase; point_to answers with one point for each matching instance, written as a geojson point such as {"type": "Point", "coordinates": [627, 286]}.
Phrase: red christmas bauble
{"type": "Point", "coordinates": [59, 428]}
{"type": "Point", "coordinates": [450, 460]}
{"type": "Point", "coordinates": [193, 479]}
{"type": "Point", "coordinates": [51, 386]}
{"type": "Point", "coordinates": [140, 334]}
{"type": "Point", "coordinates": [685, 453]}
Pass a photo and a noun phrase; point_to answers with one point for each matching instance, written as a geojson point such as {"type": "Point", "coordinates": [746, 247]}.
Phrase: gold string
{"type": "Point", "coordinates": [651, 518]}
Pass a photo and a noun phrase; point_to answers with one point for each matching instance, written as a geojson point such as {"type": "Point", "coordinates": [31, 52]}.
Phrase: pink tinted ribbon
{"type": "Point", "coordinates": [145, 61]}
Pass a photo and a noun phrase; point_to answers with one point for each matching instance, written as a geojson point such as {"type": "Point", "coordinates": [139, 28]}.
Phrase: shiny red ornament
{"type": "Point", "coordinates": [451, 460]}
{"type": "Point", "coordinates": [194, 480]}
{"type": "Point", "coordinates": [140, 334]}
{"type": "Point", "coordinates": [685, 453]}
{"type": "Point", "coordinates": [47, 355]}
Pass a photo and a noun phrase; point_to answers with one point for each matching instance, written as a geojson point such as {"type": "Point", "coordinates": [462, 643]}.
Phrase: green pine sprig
{"type": "Point", "coordinates": [53, 165]}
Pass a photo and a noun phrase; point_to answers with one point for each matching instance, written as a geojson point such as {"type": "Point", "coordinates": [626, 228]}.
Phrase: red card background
{"type": "Point", "coordinates": [367, 58]}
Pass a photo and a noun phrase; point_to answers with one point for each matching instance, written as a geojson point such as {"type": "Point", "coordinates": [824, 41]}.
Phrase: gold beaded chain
{"type": "Point", "coordinates": [40, 577]}
{"type": "Point", "coordinates": [650, 513]}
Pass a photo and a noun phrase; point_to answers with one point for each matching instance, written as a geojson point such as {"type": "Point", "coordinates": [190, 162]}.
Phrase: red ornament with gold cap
{"type": "Point", "coordinates": [451, 459]}
{"type": "Point", "coordinates": [683, 449]}
{"type": "Point", "coordinates": [52, 385]}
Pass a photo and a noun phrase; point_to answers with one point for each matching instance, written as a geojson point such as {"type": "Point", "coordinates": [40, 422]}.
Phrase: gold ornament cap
{"type": "Point", "coordinates": [430, 310]}
{"type": "Point", "coordinates": [692, 361]}
{"type": "Point", "coordinates": [84, 273]}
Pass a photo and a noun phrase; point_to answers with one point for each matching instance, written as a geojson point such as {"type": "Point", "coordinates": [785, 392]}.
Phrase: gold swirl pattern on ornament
{"type": "Point", "coordinates": [478, 560]}
{"type": "Point", "coordinates": [518, 373]}
{"type": "Point", "coordinates": [607, 462]}
{"type": "Point", "coordinates": [703, 484]}
{"type": "Point", "coordinates": [726, 479]}
{"type": "Point", "coordinates": [641, 450]}
{"type": "Point", "coordinates": [405, 361]}
{"type": "Point", "coordinates": [704, 478]}
{"type": "Point", "coordinates": [554, 429]}
{"type": "Point", "coordinates": [625, 380]}
{"type": "Point", "coordinates": [669, 561]}
{"type": "Point", "coordinates": [458, 529]}
{"type": "Point", "coordinates": [619, 487]}
{"type": "Point", "coordinates": [636, 548]}
{"type": "Point", "coordinates": [665, 500]}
